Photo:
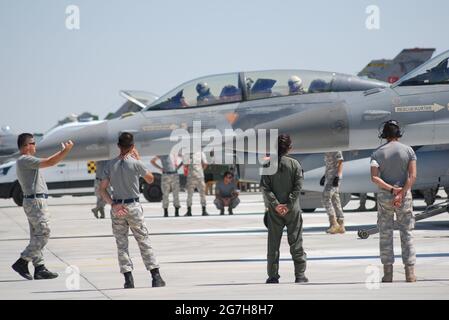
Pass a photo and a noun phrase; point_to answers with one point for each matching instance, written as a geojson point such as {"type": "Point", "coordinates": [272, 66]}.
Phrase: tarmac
{"type": "Point", "coordinates": [218, 257]}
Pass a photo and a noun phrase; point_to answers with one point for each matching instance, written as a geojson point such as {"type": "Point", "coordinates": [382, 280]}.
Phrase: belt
{"type": "Point", "coordinates": [131, 200]}
{"type": "Point", "coordinates": [170, 172]}
{"type": "Point", "coordinates": [37, 195]}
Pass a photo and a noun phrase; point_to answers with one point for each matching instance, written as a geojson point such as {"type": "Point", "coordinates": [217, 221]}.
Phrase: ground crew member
{"type": "Point", "coordinates": [169, 180]}
{"type": "Point", "coordinates": [393, 170]}
{"type": "Point", "coordinates": [195, 164]}
{"type": "Point", "coordinates": [99, 168]}
{"type": "Point", "coordinates": [281, 191]}
{"type": "Point", "coordinates": [123, 173]}
{"type": "Point", "coordinates": [331, 196]}
{"type": "Point", "coordinates": [226, 194]}
{"type": "Point", "coordinates": [35, 194]}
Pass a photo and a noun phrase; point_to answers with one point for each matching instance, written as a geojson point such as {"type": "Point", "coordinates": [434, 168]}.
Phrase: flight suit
{"type": "Point", "coordinates": [284, 188]}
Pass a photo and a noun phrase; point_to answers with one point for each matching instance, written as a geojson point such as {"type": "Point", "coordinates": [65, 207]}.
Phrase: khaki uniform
{"type": "Point", "coordinates": [284, 188]}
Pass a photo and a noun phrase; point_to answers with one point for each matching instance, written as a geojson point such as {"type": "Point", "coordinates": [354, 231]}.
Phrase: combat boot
{"type": "Point", "coordinates": [301, 279]}
{"type": "Point", "coordinates": [230, 211]}
{"type": "Point", "coordinates": [157, 279]}
{"type": "Point", "coordinates": [272, 280]}
{"type": "Point", "coordinates": [410, 274]}
{"type": "Point", "coordinates": [102, 213]}
{"type": "Point", "coordinates": [221, 212]}
{"type": "Point", "coordinates": [341, 224]}
{"type": "Point", "coordinates": [165, 212]}
{"type": "Point", "coordinates": [129, 280]}
{"type": "Point", "coordinates": [189, 212]}
{"type": "Point", "coordinates": [388, 273]}
{"type": "Point", "coordinates": [334, 226]}
{"type": "Point", "coordinates": [21, 267]}
{"type": "Point", "coordinates": [42, 273]}
{"type": "Point", "coordinates": [95, 212]}
{"type": "Point", "coordinates": [204, 211]}
{"type": "Point", "coordinates": [176, 212]}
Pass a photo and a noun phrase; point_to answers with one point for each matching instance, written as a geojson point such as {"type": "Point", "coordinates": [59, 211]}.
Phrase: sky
{"type": "Point", "coordinates": [48, 71]}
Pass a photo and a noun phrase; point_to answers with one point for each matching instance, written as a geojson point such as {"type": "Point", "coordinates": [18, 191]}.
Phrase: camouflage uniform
{"type": "Point", "coordinates": [100, 202]}
{"type": "Point", "coordinates": [33, 183]}
{"type": "Point", "coordinates": [36, 211]}
{"type": "Point", "coordinates": [134, 220]}
{"type": "Point", "coordinates": [123, 175]}
{"type": "Point", "coordinates": [169, 181]}
{"type": "Point", "coordinates": [406, 223]}
{"type": "Point", "coordinates": [331, 196]}
{"type": "Point", "coordinates": [195, 177]}
{"type": "Point", "coordinates": [392, 160]}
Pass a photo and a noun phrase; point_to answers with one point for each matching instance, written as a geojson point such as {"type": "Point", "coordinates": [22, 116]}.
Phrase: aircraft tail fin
{"type": "Point", "coordinates": [392, 70]}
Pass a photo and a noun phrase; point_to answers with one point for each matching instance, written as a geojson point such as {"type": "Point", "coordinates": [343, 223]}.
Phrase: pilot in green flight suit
{"type": "Point", "coordinates": [281, 191]}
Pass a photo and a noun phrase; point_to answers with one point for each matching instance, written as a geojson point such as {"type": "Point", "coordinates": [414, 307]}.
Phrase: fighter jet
{"type": "Point", "coordinates": [392, 70]}
{"type": "Point", "coordinates": [329, 112]}
{"type": "Point", "coordinates": [8, 141]}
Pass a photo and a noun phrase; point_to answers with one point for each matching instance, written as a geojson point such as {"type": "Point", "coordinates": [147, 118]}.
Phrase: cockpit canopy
{"type": "Point", "coordinates": [433, 72]}
{"type": "Point", "coordinates": [246, 86]}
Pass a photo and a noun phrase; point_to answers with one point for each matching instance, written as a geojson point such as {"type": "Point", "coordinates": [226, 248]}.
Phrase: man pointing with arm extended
{"type": "Point", "coordinates": [35, 194]}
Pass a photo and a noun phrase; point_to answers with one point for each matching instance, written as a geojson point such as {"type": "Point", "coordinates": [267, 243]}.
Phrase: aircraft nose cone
{"type": "Point", "coordinates": [90, 142]}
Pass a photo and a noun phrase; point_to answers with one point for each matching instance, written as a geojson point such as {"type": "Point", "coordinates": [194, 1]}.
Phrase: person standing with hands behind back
{"type": "Point", "coordinates": [123, 173]}
{"type": "Point", "coordinates": [393, 170]}
{"type": "Point", "coordinates": [281, 191]}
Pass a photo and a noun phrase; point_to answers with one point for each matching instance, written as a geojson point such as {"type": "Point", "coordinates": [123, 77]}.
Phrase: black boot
{"type": "Point", "coordinates": [189, 212]}
{"type": "Point", "coordinates": [129, 280]}
{"type": "Point", "coordinates": [204, 211]}
{"type": "Point", "coordinates": [42, 273]}
{"type": "Point", "coordinates": [176, 212]}
{"type": "Point", "coordinates": [21, 267]}
{"type": "Point", "coordinates": [230, 211]}
{"type": "Point", "coordinates": [165, 212]}
{"type": "Point", "coordinates": [95, 212]}
{"type": "Point", "coordinates": [272, 280]}
{"type": "Point", "coordinates": [157, 279]}
{"type": "Point", "coordinates": [102, 213]}
{"type": "Point", "coordinates": [221, 212]}
{"type": "Point", "coordinates": [301, 279]}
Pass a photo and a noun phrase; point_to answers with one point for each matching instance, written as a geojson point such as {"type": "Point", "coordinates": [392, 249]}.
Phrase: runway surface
{"type": "Point", "coordinates": [217, 257]}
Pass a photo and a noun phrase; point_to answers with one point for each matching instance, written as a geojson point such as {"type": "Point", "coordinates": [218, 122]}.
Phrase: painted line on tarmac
{"type": "Point", "coordinates": [421, 255]}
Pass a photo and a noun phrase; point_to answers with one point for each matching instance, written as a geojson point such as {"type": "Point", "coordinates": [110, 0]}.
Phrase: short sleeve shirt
{"type": "Point", "coordinates": [30, 177]}
{"type": "Point", "coordinates": [124, 175]}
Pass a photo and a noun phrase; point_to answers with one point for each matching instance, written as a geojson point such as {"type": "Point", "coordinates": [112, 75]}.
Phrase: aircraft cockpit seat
{"type": "Point", "coordinates": [230, 93]}
{"type": "Point", "coordinates": [318, 85]}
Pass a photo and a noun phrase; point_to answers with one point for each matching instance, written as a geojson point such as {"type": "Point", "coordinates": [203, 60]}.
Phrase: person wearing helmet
{"type": "Point", "coordinates": [204, 95]}
{"type": "Point", "coordinates": [295, 85]}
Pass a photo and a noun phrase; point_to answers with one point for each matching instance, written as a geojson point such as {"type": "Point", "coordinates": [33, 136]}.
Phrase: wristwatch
{"type": "Point", "coordinates": [391, 190]}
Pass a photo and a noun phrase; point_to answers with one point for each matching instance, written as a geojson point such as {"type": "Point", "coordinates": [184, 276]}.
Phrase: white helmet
{"type": "Point", "coordinates": [294, 83]}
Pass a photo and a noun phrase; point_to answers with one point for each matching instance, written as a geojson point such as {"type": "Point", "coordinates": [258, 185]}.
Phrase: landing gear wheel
{"type": "Point", "coordinates": [363, 234]}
